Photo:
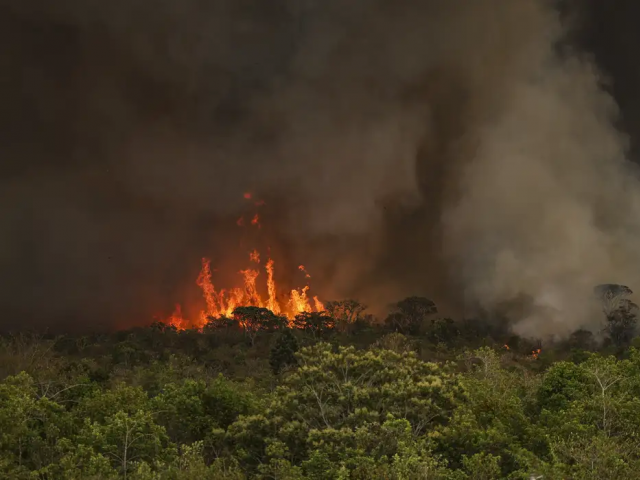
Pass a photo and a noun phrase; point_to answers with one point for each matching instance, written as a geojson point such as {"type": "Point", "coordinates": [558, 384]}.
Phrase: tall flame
{"type": "Point", "coordinates": [272, 303]}
{"type": "Point", "coordinates": [222, 303]}
{"type": "Point", "coordinates": [176, 318]}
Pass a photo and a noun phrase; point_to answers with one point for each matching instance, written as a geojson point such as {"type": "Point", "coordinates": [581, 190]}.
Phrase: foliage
{"type": "Point", "coordinates": [256, 319]}
{"type": "Point", "coordinates": [335, 395]}
{"type": "Point", "coordinates": [345, 313]}
{"type": "Point", "coordinates": [332, 413]}
{"type": "Point", "coordinates": [396, 342]}
{"type": "Point", "coordinates": [318, 324]}
{"type": "Point", "coordinates": [620, 312]}
{"type": "Point", "coordinates": [283, 352]}
{"type": "Point", "coordinates": [408, 315]}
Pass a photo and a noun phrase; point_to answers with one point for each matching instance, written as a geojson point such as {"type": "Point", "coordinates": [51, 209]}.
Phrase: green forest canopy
{"type": "Point", "coordinates": [337, 397]}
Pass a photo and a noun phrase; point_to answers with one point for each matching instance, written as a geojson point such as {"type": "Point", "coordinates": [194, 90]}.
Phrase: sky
{"type": "Point", "coordinates": [469, 152]}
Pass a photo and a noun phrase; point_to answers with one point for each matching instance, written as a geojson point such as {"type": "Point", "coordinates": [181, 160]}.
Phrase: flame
{"type": "Point", "coordinates": [208, 292]}
{"type": "Point", "coordinates": [176, 320]}
{"type": "Point", "coordinates": [506, 347]}
{"type": "Point", "coordinates": [536, 353]}
{"type": "Point", "coordinates": [303, 270]}
{"type": "Point", "coordinates": [247, 196]}
{"type": "Point", "coordinates": [222, 303]}
{"type": "Point", "coordinates": [272, 303]}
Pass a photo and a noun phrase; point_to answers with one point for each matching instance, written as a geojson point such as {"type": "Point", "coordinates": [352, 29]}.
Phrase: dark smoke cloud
{"type": "Point", "coordinates": [446, 148]}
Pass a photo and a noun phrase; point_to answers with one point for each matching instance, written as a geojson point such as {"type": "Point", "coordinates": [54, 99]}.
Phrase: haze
{"type": "Point", "coordinates": [471, 152]}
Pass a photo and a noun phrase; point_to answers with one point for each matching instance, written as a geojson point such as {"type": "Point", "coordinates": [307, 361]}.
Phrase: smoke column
{"type": "Point", "coordinates": [460, 150]}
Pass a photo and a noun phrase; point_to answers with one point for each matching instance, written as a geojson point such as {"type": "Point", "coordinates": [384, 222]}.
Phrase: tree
{"type": "Point", "coordinates": [317, 324]}
{"type": "Point", "coordinates": [220, 323]}
{"type": "Point", "coordinates": [620, 312]}
{"type": "Point", "coordinates": [582, 340]}
{"type": "Point", "coordinates": [345, 312]}
{"type": "Point", "coordinates": [339, 384]}
{"type": "Point", "coordinates": [30, 428]}
{"type": "Point", "coordinates": [256, 319]}
{"type": "Point", "coordinates": [595, 457]}
{"type": "Point", "coordinates": [336, 403]}
{"type": "Point", "coordinates": [594, 398]}
{"type": "Point", "coordinates": [283, 352]}
{"type": "Point", "coordinates": [493, 420]}
{"type": "Point", "coordinates": [25, 352]}
{"type": "Point", "coordinates": [127, 439]}
{"type": "Point", "coordinates": [409, 314]}
{"type": "Point", "coordinates": [622, 323]}
{"type": "Point", "coordinates": [191, 410]}
{"type": "Point", "coordinates": [606, 373]}
{"type": "Point", "coordinates": [396, 342]}
{"type": "Point", "coordinates": [442, 330]}
{"type": "Point", "coordinates": [389, 450]}
{"type": "Point", "coordinates": [482, 466]}
{"type": "Point", "coordinates": [562, 384]}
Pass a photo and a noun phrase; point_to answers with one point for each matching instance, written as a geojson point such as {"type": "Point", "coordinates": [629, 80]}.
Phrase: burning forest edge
{"type": "Point", "coordinates": [222, 303]}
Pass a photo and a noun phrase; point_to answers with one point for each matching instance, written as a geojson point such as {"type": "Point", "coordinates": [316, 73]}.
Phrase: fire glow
{"type": "Point", "coordinates": [222, 302]}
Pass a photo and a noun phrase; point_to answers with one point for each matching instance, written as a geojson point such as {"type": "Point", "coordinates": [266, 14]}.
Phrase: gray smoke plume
{"type": "Point", "coordinates": [453, 149]}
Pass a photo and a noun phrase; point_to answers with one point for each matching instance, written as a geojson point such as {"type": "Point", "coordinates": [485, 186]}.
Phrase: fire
{"type": "Point", "coordinates": [506, 347]}
{"type": "Point", "coordinates": [222, 302]}
{"type": "Point", "coordinates": [176, 318]}
{"type": "Point", "coordinates": [536, 353]}
{"type": "Point", "coordinates": [303, 270]}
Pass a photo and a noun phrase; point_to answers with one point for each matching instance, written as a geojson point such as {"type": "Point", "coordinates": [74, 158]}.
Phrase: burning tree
{"type": "Point", "coordinates": [316, 323]}
{"type": "Point", "coordinates": [222, 303]}
{"type": "Point", "coordinates": [345, 312]}
{"type": "Point", "coordinates": [256, 319]}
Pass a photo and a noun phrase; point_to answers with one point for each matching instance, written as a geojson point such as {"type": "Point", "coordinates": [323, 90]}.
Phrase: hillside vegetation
{"type": "Point", "coordinates": [333, 395]}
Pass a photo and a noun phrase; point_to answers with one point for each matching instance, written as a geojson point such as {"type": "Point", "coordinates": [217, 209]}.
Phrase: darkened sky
{"type": "Point", "coordinates": [609, 33]}
{"type": "Point", "coordinates": [130, 129]}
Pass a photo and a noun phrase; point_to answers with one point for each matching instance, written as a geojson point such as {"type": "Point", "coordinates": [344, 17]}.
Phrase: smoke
{"type": "Point", "coordinates": [547, 206]}
{"type": "Point", "coordinates": [454, 149]}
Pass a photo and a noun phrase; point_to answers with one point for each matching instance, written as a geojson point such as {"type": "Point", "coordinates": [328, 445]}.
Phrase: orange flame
{"type": "Point", "coordinates": [272, 303]}
{"type": "Point", "coordinates": [222, 303]}
{"type": "Point", "coordinates": [303, 270]}
{"type": "Point", "coordinates": [176, 320]}
{"type": "Point", "coordinates": [506, 346]}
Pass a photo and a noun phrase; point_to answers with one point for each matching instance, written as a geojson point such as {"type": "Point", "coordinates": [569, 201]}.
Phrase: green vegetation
{"type": "Point", "coordinates": [340, 396]}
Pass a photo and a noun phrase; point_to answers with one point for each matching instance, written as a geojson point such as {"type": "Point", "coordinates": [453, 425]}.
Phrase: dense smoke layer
{"type": "Point", "coordinates": [448, 148]}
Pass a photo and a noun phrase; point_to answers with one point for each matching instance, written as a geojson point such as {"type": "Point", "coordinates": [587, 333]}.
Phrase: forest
{"type": "Point", "coordinates": [336, 394]}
